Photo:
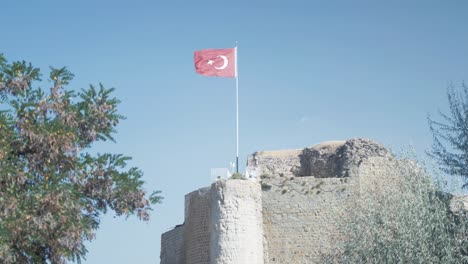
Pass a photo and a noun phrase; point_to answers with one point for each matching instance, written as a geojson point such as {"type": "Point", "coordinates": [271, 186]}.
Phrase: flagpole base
{"type": "Point", "coordinates": [237, 164]}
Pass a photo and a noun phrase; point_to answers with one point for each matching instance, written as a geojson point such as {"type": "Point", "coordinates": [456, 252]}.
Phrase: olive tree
{"type": "Point", "coordinates": [403, 216]}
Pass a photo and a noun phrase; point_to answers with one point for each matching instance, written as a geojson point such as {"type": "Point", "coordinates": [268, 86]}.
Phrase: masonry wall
{"type": "Point", "coordinates": [304, 203]}
{"type": "Point", "coordinates": [197, 226]}
{"type": "Point", "coordinates": [237, 223]}
{"type": "Point", "coordinates": [286, 163]}
{"type": "Point", "coordinates": [291, 216]}
{"type": "Point", "coordinates": [172, 246]}
{"type": "Point", "coordinates": [300, 216]}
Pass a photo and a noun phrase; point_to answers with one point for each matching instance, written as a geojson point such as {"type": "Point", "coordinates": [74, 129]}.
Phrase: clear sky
{"type": "Point", "coordinates": [309, 71]}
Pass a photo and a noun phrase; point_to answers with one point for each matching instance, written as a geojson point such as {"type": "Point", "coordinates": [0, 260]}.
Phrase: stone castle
{"type": "Point", "coordinates": [288, 214]}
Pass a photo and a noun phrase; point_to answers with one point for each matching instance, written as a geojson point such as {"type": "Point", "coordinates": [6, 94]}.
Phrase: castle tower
{"type": "Point", "coordinates": [236, 222]}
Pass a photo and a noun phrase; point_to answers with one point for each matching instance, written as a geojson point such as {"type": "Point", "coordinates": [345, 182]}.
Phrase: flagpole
{"type": "Point", "coordinates": [237, 115]}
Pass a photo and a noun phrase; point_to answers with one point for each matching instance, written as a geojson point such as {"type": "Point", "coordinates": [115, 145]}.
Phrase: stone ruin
{"type": "Point", "coordinates": [289, 215]}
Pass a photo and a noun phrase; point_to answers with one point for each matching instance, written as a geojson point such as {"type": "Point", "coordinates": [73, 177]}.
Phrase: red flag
{"type": "Point", "coordinates": [216, 62]}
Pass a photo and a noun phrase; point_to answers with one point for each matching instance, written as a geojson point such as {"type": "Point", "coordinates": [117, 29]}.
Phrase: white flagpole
{"type": "Point", "coordinates": [237, 114]}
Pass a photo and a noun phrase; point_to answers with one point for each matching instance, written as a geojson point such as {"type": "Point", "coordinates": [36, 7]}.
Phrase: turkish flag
{"type": "Point", "coordinates": [216, 62]}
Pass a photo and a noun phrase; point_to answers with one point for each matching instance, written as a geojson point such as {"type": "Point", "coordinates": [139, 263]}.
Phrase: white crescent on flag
{"type": "Point", "coordinates": [225, 62]}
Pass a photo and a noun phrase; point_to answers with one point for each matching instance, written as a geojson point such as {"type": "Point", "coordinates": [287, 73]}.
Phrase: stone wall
{"type": "Point", "coordinates": [172, 246]}
{"type": "Point", "coordinates": [223, 224]}
{"type": "Point", "coordinates": [197, 226]}
{"type": "Point", "coordinates": [237, 229]}
{"type": "Point", "coordinates": [291, 216]}
{"type": "Point", "coordinates": [300, 216]}
{"type": "Point", "coordinates": [305, 197]}
{"type": "Point", "coordinates": [286, 163]}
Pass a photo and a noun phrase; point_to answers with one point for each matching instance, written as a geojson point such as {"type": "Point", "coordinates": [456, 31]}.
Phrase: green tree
{"type": "Point", "coordinates": [52, 190]}
{"type": "Point", "coordinates": [403, 217]}
{"type": "Point", "coordinates": [450, 147]}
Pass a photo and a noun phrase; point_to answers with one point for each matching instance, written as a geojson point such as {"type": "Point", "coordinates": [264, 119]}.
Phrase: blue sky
{"type": "Point", "coordinates": [309, 71]}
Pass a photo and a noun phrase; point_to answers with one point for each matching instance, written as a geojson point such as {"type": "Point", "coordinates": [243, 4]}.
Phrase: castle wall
{"type": "Point", "coordinates": [197, 226]}
{"type": "Point", "coordinates": [172, 246]}
{"type": "Point", "coordinates": [376, 174]}
{"type": "Point", "coordinates": [286, 163]}
{"type": "Point", "coordinates": [300, 216]}
{"type": "Point", "coordinates": [302, 210]}
{"type": "Point", "coordinates": [237, 225]}
{"type": "Point", "coordinates": [292, 216]}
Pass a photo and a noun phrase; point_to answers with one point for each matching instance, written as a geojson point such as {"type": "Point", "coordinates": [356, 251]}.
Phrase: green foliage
{"type": "Point", "coordinates": [52, 190]}
{"type": "Point", "coordinates": [402, 217]}
{"type": "Point", "coordinates": [450, 147]}
{"type": "Point", "coordinates": [238, 176]}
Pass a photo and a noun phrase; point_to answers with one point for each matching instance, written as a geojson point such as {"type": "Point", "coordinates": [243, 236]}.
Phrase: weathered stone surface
{"type": "Point", "coordinates": [355, 151]}
{"type": "Point", "coordinates": [291, 216]}
{"type": "Point", "coordinates": [300, 216]}
{"type": "Point", "coordinates": [322, 160]}
{"type": "Point", "coordinates": [325, 160]}
{"type": "Point", "coordinates": [173, 246]}
{"type": "Point", "coordinates": [197, 226]}
{"type": "Point", "coordinates": [283, 163]}
{"type": "Point", "coordinates": [335, 158]}
{"type": "Point", "coordinates": [237, 229]}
